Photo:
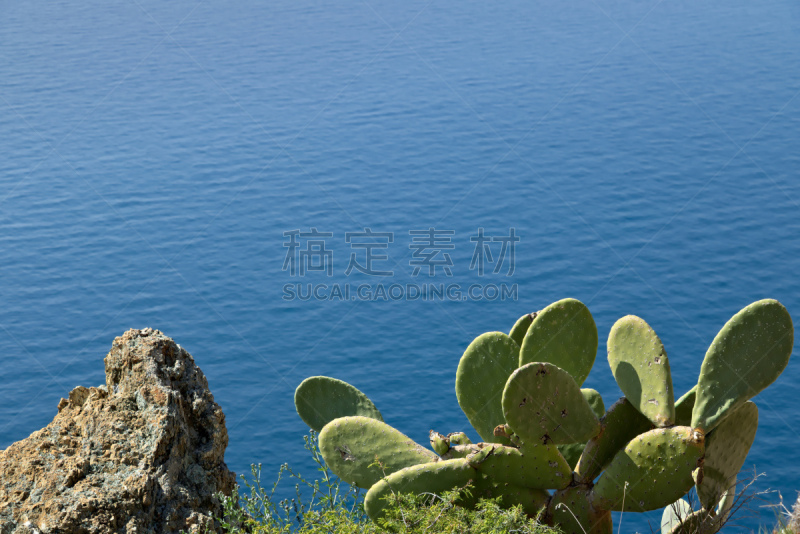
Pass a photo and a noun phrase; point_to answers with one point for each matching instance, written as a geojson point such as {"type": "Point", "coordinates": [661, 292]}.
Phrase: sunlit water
{"type": "Point", "coordinates": [154, 154]}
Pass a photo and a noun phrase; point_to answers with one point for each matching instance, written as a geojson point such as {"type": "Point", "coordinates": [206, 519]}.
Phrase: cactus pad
{"type": "Point", "coordinates": [480, 379]}
{"type": "Point", "coordinates": [657, 466]}
{"type": "Point", "coordinates": [571, 510]}
{"type": "Point", "coordinates": [674, 515]}
{"type": "Point", "coordinates": [460, 451]}
{"type": "Point", "coordinates": [746, 356]}
{"type": "Point", "coordinates": [564, 334]}
{"type": "Point", "coordinates": [520, 328]}
{"type": "Point", "coordinates": [621, 424]}
{"type": "Point", "coordinates": [679, 518]}
{"type": "Point", "coordinates": [439, 443]}
{"type": "Point", "coordinates": [726, 502]}
{"type": "Point", "coordinates": [321, 399]}
{"type": "Point", "coordinates": [425, 478]}
{"type": "Point", "coordinates": [532, 466]}
{"type": "Point", "coordinates": [684, 407]}
{"type": "Point", "coordinates": [698, 522]}
{"type": "Point", "coordinates": [595, 401]}
{"type": "Point", "coordinates": [641, 368]}
{"type": "Point", "coordinates": [350, 445]}
{"type": "Point", "coordinates": [542, 403]}
{"type": "Point", "coordinates": [458, 438]}
{"type": "Point", "coordinates": [531, 500]}
{"type": "Point", "coordinates": [726, 450]}
{"type": "Point", "coordinates": [573, 451]}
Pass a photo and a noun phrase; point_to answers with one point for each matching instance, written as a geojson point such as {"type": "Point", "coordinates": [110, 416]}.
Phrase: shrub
{"type": "Point", "coordinates": [328, 506]}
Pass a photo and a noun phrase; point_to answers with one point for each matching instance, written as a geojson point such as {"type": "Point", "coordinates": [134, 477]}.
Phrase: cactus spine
{"type": "Point", "coordinates": [521, 392]}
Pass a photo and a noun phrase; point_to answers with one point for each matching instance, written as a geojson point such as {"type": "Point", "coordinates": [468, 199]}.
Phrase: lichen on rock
{"type": "Point", "coordinates": [143, 453]}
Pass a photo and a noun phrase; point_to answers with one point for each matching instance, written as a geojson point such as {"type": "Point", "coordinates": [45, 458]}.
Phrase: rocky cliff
{"type": "Point", "coordinates": [143, 453]}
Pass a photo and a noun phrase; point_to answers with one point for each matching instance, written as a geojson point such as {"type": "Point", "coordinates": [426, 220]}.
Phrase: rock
{"type": "Point", "coordinates": [142, 454]}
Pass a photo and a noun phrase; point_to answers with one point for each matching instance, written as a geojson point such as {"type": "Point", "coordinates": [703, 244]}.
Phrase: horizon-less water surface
{"type": "Point", "coordinates": [154, 154]}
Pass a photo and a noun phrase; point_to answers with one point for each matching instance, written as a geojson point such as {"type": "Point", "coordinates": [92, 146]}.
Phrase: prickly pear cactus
{"type": "Point", "coordinates": [681, 518]}
{"type": "Point", "coordinates": [748, 354]}
{"type": "Point", "coordinates": [620, 425]}
{"type": "Point", "coordinates": [532, 466]}
{"type": "Point", "coordinates": [351, 446]}
{"type": "Point", "coordinates": [541, 431]}
{"type": "Point", "coordinates": [573, 511]}
{"type": "Point", "coordinates": [676, 516]}
{"type": "Point", "coordinates": [425, 478]}
{"type": "Point", "coordinates": [684, 407]}
{"type": "Point", "coordinates": [481, 376]}
{"type": "Point", "coordinates": [654, 467]}
{"type": "Point", "coordinates": [532, 501]}
{"type": "Point", "coordinates": [641, 368]}
{"type": "Point", "coordinates": [564, 334]}
{"type": "Point", "coordinates": [726, 449]}
{"type": "Point", "coordinates": [573, 452]}
{"type": "Point", "coordinates": [520, 328]}
{"type": "Point", "coordinates": [321, 399]}
{"type": "Point", "coordinates": [543, 403]}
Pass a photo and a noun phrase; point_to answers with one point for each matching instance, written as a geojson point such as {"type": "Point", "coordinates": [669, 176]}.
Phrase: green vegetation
{"type": "Point", "coordinates": [787, 519]}
{"type": "Point", "coordinates": [327, 506]}
{"type": "Point", "coordinates": [522, 394]}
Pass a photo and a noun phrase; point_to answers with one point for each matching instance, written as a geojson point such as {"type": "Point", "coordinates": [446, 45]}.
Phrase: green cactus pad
{"type": "Point", "coordinates": [620, 424]}
{"type": "Point", "coordinates": [641, 368]}
{"type": "Point", "coordinates": [657, 466]}
{"type": "Point", "coordinates": [542, 403]}
{"type": "Point", "coordinates": [439, 443]}
{"type": "Point", "coordinates": [564, 334]}
{"type": "Point", "coordinates": [480, 379]}
{"type": "Point", "coordinates": [674, 515]}
{"type": "Point", "coordinates": [350, 445]}
{"type": "Point", "coordinates": [458, 438]}
{"type": "Point", "coordinates": [698, 522]}
{"type": "Point", "coordinates": [726, 450]}
{"type": "Point", "coordinates": [748, 354]}
{"type": "Point", "coordinates": [679, 518]}
{"type": "Point", "coordinates": [425, 478]}
{"type": "Point", "coordinates": [531, 500]}
{"type": "Point", "coordinates": [462, 451]}
{"type": "Point", "coordinates": [532, 466]}
{"type": "Point", "coordinates": [571, 510]}
{"type": "Point", "coordinates": [726, 503]}
{"type": "Point", "coordinates": [321, 399]}
{"type": "Point", "coordinates": [478, 457]}
{"type": "Point", "coordinates": [572, 452]}
{"type": "Point", "coordinates": [595, 401]}
{"type": "Point", "coordinates": [521, 328]}
{"type": "Point", "coordinates": [684, 407]}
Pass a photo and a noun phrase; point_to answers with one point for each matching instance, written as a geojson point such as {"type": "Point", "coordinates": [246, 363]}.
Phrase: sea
{"type": "Point", "coordinates": [358, 189]}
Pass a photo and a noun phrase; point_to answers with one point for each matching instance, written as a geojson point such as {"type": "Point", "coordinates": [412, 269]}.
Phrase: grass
{"type": "Point", "coordinates": [329, 506]}
{"type": "Point", "coordinates": [788, 520]}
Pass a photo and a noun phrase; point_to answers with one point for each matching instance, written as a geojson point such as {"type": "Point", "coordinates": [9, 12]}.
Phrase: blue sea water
{"type": "Point", "coordinates": [153, 154]}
